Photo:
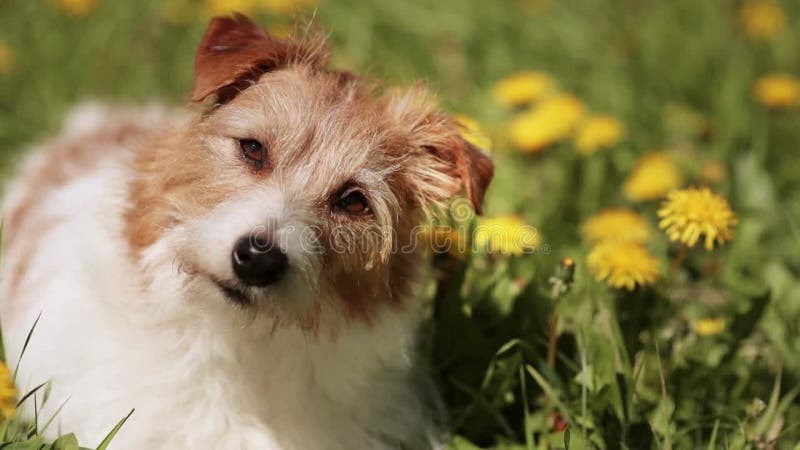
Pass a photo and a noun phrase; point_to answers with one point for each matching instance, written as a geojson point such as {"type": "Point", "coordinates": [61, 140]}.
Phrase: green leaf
{"type": "Point", "coordinates": [462, 443]}
{"type": "Point", "coordinates": [66, 442]}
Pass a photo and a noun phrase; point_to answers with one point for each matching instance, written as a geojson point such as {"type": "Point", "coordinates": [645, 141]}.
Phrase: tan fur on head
{"type": "Point", "coordinates": [324, 130]}
{"type": "Point", "coordinates": [235, 51]}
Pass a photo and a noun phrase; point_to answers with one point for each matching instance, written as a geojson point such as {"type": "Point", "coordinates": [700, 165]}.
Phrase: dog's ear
{"type": "Point", "coordinates": [445, 163]}
{"type": "Point", "coordinates": [463, 162]}
{"type": "Point", "coordinates": [235, 52]}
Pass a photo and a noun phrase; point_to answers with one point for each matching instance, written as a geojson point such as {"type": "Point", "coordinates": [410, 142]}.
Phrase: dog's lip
{"type": "Point", "coordinates": [233, 293]}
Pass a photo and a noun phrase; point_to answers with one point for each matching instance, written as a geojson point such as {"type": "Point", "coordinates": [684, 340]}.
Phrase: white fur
{"type": "Point", "coordinates": [201, 373]}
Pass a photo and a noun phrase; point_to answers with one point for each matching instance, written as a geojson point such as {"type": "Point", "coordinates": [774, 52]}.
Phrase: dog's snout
{"type": "Point", "coordinates": [257, 262]}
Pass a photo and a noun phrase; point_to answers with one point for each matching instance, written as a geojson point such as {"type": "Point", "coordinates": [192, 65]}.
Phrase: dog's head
{"type": "Point", "coordinates": [297, 187]}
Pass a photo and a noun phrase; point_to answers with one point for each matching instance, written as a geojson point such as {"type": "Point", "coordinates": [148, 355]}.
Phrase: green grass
{"type": "Point", "coordinates": [629, 373]}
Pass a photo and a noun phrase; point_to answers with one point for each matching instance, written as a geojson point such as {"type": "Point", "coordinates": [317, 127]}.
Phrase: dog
{"type": "Point", "coordinates": [241, 272]}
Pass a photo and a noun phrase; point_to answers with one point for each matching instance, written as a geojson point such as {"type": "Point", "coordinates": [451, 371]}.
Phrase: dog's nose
{"type": "Point", "coordinates": [257, 262]}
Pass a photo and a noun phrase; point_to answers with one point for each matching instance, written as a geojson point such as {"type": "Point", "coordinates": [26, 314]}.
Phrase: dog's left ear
{"type": "Point", "coordinates": [235, 52]}
{"type": "Point", "coordinates": [466, 163]}
{"type": "Point", "coordinates": [445, 163]}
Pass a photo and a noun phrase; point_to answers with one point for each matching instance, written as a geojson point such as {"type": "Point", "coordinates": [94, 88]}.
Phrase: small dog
{"type": "Point", "coordinates": [241, 273]}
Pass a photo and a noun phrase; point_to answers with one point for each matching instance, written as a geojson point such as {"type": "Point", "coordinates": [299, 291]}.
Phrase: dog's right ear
{"type": "Point", "coordinates": [235, 52]}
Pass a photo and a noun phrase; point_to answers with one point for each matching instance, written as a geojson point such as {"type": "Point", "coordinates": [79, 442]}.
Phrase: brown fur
{"type": "Point", "coordinates": [323, 130]}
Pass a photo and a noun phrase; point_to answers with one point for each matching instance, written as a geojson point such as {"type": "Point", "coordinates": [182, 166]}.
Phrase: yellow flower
{"type": "Point", "coordinates": [521, 88]}
{"type": "Point", "coordinates": [688, 214]}
{"type": "Point", "coordinates": [508, 235]}
{"type": "Point", "coordinates": [76, 8]}
{"type": "Point", "coordinates": [652, 177]}
{"type": "Point", "coordinates": [224, 7]}
{"type": "Point", "coordinates": [622, 265]}
{"type": "Point", "coordinates": [778, 90]}
{"type": "Point", "coordinates": [473, 133]}
{"type": "Point", "coordinates": [761, 19]}
{"type": "Point", "coordinates": [709, 326]}
{"type": "Point", "coordinates": [618, 225]}
{"type": "Point", "coordinates": [598, 132]}
{"type": "Point", "coordinates": [6, 59]}
{"type": "Point", "coordinates": [8, 394]}
{"type": "Point", "coordinates": [550, 121]}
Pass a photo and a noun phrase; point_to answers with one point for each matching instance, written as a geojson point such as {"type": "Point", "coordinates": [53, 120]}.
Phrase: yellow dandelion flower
{"type": "Point", "coordinates": [778, 90]}
{"type": "Point", "coordinates": [623, 265]}
{"type": "Point", "coordinates": [8, 393]}
{"type": "Point", "coordinates": [521, 88]}
{"type": "Point", "coordinates": [597, 132]}
{"type": "Point", "coordinates": [652, 177]}
{"type": "Point", "coordinates": [6, 59]}
{"type": "Point", "coordinates": [709, 326]}
{"type": "Point", "coordinates": [549, 122]}
{"type": "Point", "coordinates": [473, 133]}
{"type": "Point", "coordinates": [76, 8]}
{"type": "Point", "coordinates": [688, 214]}
{"type": "Point", "coordinates": [225, 7]}
{"type": "Point", "coordinates": [507, 235]}
{"type": "Point", "coordinates": [618, 225]}
{"type": "Point", "coordinates": [278, 7]}
{"type": "Point", "coordinates": [761, 19]}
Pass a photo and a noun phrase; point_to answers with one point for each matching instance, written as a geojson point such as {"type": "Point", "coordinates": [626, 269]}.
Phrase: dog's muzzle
{"type": "Point", "coordinates": [258, 262]}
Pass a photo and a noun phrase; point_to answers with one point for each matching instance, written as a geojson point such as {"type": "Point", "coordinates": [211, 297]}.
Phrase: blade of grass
{"type": "Point", "coordinates": [31, 392]}
{"type": "Point", "coordinates": [55, 413]}
{"type": "Point", "coordinates": [549, 392]}
{"type": "Point", "coordinates": [712, 442]}
{"type": "Point", "coordinates": [104, 445]}
{"type": "Point", "coordinates": [25, 345]}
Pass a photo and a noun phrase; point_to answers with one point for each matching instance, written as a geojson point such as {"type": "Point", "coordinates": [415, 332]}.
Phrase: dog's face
{"type": "Point", "coordinates": [297, 187]}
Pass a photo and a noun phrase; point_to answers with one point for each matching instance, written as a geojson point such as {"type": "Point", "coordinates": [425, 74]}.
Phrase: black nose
{"type": "Point", "coordinates": [257, 262]}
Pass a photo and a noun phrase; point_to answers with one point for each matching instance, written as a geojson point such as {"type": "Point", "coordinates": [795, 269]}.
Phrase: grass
{"type": "Point", "coordinates": [629, 370]}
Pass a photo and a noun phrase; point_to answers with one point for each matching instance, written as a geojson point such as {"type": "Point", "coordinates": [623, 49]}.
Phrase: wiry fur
{"type": "Point", "coordinates": [119, 233]}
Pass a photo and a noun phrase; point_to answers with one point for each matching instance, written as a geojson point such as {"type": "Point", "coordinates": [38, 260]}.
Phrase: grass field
{"type": "Point", "coordinates": [658, 343]}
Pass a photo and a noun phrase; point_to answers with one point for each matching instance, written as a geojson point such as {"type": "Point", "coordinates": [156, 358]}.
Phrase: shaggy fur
{"type": "Point", "coordinates": [119, 232]}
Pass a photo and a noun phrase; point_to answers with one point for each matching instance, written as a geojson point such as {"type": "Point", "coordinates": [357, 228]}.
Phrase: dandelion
{"type": "Point", "coordinates": [688, 214]}
{"type": "Point", "coordinates": [623, 265]}
{"type": "Point", "coordinates": [277, 7]}
{"type": "Point", "coordinates": [472, 132]}
{"type": "Point", "coordinates": [597, 132]}
{"type": "Point", "coordinates": [521, 88]}
{"type": "Point", "coordinates": [507, 235]}
{"type": "Point", "coordinates": [761, 19]}
{"type": "Point", "coordinates": [224, 7]}
{"type": "Point", "coordinates": [778, 90]}
{"type": "Point", "coordinates": [618, 225]}
{"type": "Point", "coordinates": [549, 122]}
{"type": "Point", "coordinates": [709, 326]}
{"type": "Point", "coordinates": [8, 393]}
{"type": "Point", "coordinates": [652, 177]}
{"type": "Point", "coordinates": [6, 59]}
{"type": "Point", "coordinates": [76, 8]}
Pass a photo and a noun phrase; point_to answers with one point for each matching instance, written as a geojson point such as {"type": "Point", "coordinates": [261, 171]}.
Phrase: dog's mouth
{"type": "Point", "coordinates": [233, 293]}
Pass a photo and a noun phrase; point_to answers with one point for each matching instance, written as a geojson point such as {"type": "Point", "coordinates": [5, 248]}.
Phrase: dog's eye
{"type": "Point", "coordinates": [253, 152]}
{"type": "Point", "coordinates": [353, 202]}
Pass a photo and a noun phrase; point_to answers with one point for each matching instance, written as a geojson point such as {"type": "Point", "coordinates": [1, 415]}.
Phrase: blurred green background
{"type": "Point", "coordinates": [706, 354]}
